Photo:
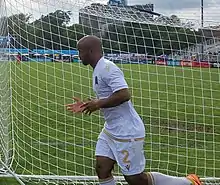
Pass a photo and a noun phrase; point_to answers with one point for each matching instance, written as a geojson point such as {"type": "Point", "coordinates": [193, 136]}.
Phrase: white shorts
{"type": "Point", "coordinates": [128, 155]}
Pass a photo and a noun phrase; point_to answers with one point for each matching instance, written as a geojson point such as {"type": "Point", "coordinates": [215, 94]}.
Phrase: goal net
{"type": "Point", "coordinates": [170, 64]}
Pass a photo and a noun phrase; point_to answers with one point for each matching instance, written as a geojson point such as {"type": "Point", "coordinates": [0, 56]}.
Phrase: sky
{"type": "Point", "coordinates": [187, 9]}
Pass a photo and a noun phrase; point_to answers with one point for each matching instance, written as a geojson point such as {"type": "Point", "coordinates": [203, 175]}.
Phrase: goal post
{"type": "Point", "coordinates": [6, 135]}
{"type": "Point", "coordinates": [171, 66]}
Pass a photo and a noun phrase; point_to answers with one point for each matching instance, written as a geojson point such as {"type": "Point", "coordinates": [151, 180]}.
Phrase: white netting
{"type": "Point", "coordinates": [5, 97]}
{"type": "Point", "coordinates": [171, 65]}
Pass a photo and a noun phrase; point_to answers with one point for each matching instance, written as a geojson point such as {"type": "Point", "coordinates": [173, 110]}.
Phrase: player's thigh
{"type": "Point", "coordinates": [104, 167]}
{"type": "Point", "coordinates": [105, 159]}
{"type": "Point", "coordinates": [130, 157]}
{"type": "Point", "coordinates": [138, 179]}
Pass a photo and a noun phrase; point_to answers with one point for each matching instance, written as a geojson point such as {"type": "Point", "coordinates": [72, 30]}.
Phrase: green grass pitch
{"type": "Point", "coordinates": [180, 108]}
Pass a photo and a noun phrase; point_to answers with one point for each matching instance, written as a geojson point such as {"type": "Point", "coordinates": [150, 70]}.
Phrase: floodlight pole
{"type": "Point", "coordinates": [202, 13]}
{"type": "Point", "coordinates": [202, 25]}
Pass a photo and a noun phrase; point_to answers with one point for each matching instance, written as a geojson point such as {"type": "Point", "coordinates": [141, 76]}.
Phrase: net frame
{"type": "Point", "coordinates": [161, 20]}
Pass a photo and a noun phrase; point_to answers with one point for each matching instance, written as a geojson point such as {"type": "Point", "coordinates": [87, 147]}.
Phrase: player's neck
{"type": "Point", "coordinates": [93, 64]}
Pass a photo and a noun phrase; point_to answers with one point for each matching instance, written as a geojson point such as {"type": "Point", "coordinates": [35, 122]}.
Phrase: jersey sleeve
{"type": "Point", "coordinates": [114, 78]}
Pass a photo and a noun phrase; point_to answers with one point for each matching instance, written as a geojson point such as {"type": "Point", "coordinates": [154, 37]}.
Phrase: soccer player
{"type": "Point", "coordinates": [18, 58]}
{"type": "Point", "coordinates": [122, 138]}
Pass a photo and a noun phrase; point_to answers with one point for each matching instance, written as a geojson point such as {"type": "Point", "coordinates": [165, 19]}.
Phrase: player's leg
{"type": "Point", "coordinates": [155, 178]}
{"type": "Point", "coordinates": [161, 179]}
{"type": "Point", "coordinates": [138, 179]}
{"type": "Point", "coordinates": [104, 161]}
{"type": "Point", "coordinates": [104, 167]}
{"type": "Point", "coordinates": [130, 157]}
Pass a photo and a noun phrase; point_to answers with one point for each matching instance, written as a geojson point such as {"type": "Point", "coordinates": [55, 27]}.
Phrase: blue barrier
{"type": "Point", "coordinates": [50, 60]}
{"type": "Point", "coordinates": [14, 50]}
{"type": "Point", "coordinates": [51, 52]}
{"type": "Point", "coordinates": [171, 62]}
{"type": "Point", "coordinates": [39, 51]}
{"type": "Point", "coordinates": [39, 60]}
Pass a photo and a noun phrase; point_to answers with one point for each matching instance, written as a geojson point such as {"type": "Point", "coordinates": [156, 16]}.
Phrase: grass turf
{"type": "Point", "coordinates": [180, 108]}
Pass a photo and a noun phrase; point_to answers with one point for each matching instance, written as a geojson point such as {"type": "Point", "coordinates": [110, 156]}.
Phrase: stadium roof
{"type": "Point", "coordinates": [125, 13]}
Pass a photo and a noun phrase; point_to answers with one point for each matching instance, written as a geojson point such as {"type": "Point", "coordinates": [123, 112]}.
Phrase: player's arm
{"type": "Point", "coordinates": [114, 78]}
{"type": "Point", "coordinates": [115, 99]}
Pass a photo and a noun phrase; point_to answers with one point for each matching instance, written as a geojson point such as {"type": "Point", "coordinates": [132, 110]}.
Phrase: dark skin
{"type": "Point", "coordinates": [90, 52]}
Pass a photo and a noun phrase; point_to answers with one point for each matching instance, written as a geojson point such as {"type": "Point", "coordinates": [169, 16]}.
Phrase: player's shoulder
{"type": "Point", "coordinates": [108, 66]}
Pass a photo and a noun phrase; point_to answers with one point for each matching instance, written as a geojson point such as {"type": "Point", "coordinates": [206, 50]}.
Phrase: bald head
{"type": "Point", "coordinates": [90, 41]}
{"type": "Point", "coordinates": [90, 49]}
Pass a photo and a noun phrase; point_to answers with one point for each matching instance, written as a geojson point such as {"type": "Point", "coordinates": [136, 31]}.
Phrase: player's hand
{"type": "Point", "coordinates": [76, 107]}
{"type": "Point", "coordinates": [90, 106]}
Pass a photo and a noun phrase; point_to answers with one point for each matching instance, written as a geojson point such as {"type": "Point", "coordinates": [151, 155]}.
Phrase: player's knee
{"type": "Point", "coordinates": [138, 179]}
{"type": "Point", "coordinates": [103, 171]}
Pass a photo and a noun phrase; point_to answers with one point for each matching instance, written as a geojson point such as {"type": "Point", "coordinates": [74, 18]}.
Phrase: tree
{"type": "Point", "coordinates": [52, 31]}
{"type": "Point", "coordinates": [16, 27]}
{"type": "Point", "coordinates": [17, 21]}
{"type": "Point", "coordinates": [58, 18]}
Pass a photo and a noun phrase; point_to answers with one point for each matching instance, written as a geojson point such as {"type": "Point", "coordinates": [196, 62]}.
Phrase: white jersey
{"type": "Point", "coordinates": [122, 121]}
